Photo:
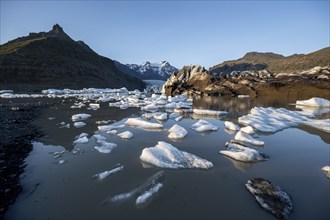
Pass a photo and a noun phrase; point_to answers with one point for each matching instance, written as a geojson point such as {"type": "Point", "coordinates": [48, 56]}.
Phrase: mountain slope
{"type": "Point", "coordinates": [275, 63]}
{"type": "Point", "coordinates": [158, 71]}
{"type": "Point", "coordinates": [53, 60]}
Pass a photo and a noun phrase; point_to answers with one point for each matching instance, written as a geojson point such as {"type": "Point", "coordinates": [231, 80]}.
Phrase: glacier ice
{"type": "Point", "coordinates": [104, 174]}
{"type": "Point", "coordinates": [80, 117]}
{"type": "Point", "coordinates": [126, 135]}
{"type": "Point", "coordinates": [231, 126]}
{"type": "Point", "coordinates": [167, 156]}
{"type": "Point", "coordinates": [139, 123]}
{"type": "Point", "coordinates": [176, 131]}
{"type": "Point", "coordinates": [105, 147]}
{"type": "Point", "coordinates": [317, 102]}
{"type": "Point", "coordinates": [202, 126]}
{"type": "Point", "coordinates": [326, 171]}
{"type": "Point", "coordinates": [243, 137]}
{"type": "Point", "coordinates": [242, 153]}
{"type": "Point", "coordinates": [79, 124]}
{"type": "Point", "coordinates": [247, 130]}
{"type": "Point", "coordinates": [81, 140]}
{"type": "Point", "coordinates": [209, 112]}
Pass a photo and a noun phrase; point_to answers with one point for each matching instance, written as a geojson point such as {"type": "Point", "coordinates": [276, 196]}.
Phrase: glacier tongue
{"type": "Point", "coordinates": [166, 155]}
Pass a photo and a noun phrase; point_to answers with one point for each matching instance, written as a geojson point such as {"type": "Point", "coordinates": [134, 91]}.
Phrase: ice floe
{"type": "Point", "coordinates": [209, 112]}
{"type": "Point", "coordinates": [323, 125]}
{"type": "Point", "coordinates": [126, 135]}
{"type": "Point", "coordinates": [202, 126]}
{"type": "Point", "coordinates": [139, 123]}
{"type": "Point", "coordinates": [106, 128]}
{"type": "Point", "coordinates": [317, 102]}
{"type": "Point", "coordinates": [104, 174]}
{"type": "Point", "coordinates": [247, 130]}
{"type": "Point", "coordinates": [273, 120]}
{"type": "Point", "coordinates": [243, 137]}
{"type": "Point", "coordinates": [270, 197]}
{"type": "Point", "coordinates": [231, 126]}
{"type": "Point", "coordinates": [80, 117]}
{"type": "Point", "coordinates": [244, 154]}
{"type": "Point", "coordinates": [144, 192]}
{"type": "Point", "coordinates": [176, 132]}
{"type": "Point", "coordinates": [81, 140]}
{"type": "Point", "coordinates": [326, 171]}
{"type": "Point", "coordinates": [105, 147]}
{"type": "Point", "coordinates": [161, 116]}
{"type": "Point", "coordinates": [167, 156]}
{"type": "Point", "coordinates": [79, 124]}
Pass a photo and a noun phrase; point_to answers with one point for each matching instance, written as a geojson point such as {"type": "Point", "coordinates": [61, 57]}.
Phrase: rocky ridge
{"type": "Point", "coordinates": [54, 60]}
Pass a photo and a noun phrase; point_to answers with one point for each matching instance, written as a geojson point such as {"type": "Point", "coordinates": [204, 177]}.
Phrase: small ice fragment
{"type": "Point", "coordinates": [243, 96]}
{"type": "Point", "coordinates": [203, 125]}
{"type": "Point", "coordinates": [161, 116]}
{"type": "Point", "coordinates": [178, 118]}
{"type": "Point", "coordinates": [81, 140]}
{"type": "Point", "coordinates": [247, 130]}
{"type": "Point", "coordinates": [94, 106]}
{"type": "Point", "coordinates": [173, 115]}
{"type": "Point", "coordinates": [231, 126]}
{"type": "Point", "coordinates": [326, 171]}
{"type": "Point", "coordinates": [148, 194]}
{"type": "Point", "coordinates": [106, 147]}
{"type": "Point", "coordinates": [80, 117]}
{"type": "Point", "coordinates": [79, 124]}
{"type": "Point", "coordinates": [176, 131]}
{"type": "Point", "coordinates": [104, 174]}
{"type": "Point", "coordinates": [209, 112]}
{"type": "Point", "coordinates": [150, 107]}
{"type": "Point", "coordinates": [106, 128]}
{"type": "Point", "coordinates": [81, 135]}
{"type": "Point", "coordinates": [243, 137]}
{"type": "Point", "coordinates": [126, 135]}
{"type": "Point", "coordinates": [139, 123]}
{"type": "Point", "coordinates": [60, 162]}
{"type": "Point", "coordinates": [65, 125]}
{"type": "Point", "coordinates": [244, 154]}
{"type": "Point", "coordinates": [51, 118]}
{"type": "Point", "coordinates": [112, 132]}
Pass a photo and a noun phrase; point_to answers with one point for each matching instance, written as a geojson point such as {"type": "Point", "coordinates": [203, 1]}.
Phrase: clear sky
{"type": "Point", "coordinates": [181, 32]}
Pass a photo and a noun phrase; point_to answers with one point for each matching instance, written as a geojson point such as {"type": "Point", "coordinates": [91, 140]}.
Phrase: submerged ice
{"type": "Point", "coordinates": [166, 155]}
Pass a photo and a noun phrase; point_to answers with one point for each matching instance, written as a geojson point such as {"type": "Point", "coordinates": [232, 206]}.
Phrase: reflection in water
{"type": "Point", "coordinates": [240, 165]}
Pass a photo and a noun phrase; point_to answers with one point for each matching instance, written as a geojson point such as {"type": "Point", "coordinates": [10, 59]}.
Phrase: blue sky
{"type": "Point", "coordinates": [181, 32]}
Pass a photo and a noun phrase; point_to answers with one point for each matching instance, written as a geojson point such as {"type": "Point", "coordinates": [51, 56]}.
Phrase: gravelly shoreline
{"type": "Point", "coordinates": [16, 133]}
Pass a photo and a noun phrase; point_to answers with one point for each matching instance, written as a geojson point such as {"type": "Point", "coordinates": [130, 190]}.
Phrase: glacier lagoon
{"type": "Point", "coordinates": [59, 179]}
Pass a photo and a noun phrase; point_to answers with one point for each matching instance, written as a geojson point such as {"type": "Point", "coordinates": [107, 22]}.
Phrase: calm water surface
{"type": "Point", "coordinates": [68, 191]}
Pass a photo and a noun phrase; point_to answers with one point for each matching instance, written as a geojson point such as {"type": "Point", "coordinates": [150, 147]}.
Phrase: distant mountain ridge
{"type": "Point", "coordinates": [54, 60]}
{"type": "Point", "coordinates": [159, 71]}
{"type": "Point", "coordinates": [275, 63]}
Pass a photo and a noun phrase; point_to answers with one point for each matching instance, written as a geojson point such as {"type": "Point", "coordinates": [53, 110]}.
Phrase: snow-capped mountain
{"type": "Point", "coordinates": [147, 70]}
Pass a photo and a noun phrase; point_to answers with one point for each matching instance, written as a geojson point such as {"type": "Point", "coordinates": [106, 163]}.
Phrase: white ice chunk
{"type": "Point", "coordinates": [80, 117]}
{"type": "Point", "coordinates": [167, 156]}
{"type": "Point", "coordinates": [139, 123]}
{"type": "Point", "coordinates": [176, 131]}
{"type": "Point", "coordinates": [244, 154]}
{"type": "Point", "coordinates": [178, 118]}
{"type": "Point", "coordinates": [247, 130]}
{"type": "Point", "coordinates": [161, 116]}
{"type": "Point", "coordinates": [126, 135]}
{"type": "Point", "coordinates": [147, 195]}
{"type": "Point", "coordinates": [203, 125]}
{"type": "Point", "coordinates": [104, 174]}
{"type": "Point", "coordinates": [243, 96]}
{"type": "Point", "coordinates": [94, 106]}
{"type": "Point", "coordinates": [231, 126]}
{"type": "Point", "coordinates": [323, 125]}
{"type": "Point", "coordinates": [106, 147]}
{"type": "Point", "coordinates": [82, 135]}
{"type": "Point", "coordinates": [173, 115]}
{"type": "Point", "coordinates": [79, 124]}
{"type": "Point", "coordinates": [209, 112]}
{"type": "Point", "coordinates": [319, 102]}
{"type": "Point", "coordinates": [106, 128]}
{"type": "Point", "coordinates": [81, 140]}
{"type": "Point", "coordinates": [243, 137]}
{"type": "Point", "coordinates": [326, 170]}
{"type": "Point", "coordinates": [150, 107]}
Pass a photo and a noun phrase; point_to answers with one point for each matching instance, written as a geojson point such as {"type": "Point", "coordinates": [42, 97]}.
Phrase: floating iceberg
{"type": "Point", "coordinates": [104, 174]}
{"type": "Point", "coordinates": [317, 102]}
{"type": "Point", "coordinates": [79, 124]}
{"type": "Point", "coordinates": [231, 126]}
{"type": "Point", "coordinates": [273, 120]}
{"type": "Point", "coordinates": [271, 197]}
{"type": "Point", "coordinates": [106, 147]}
{"type": "Point", "coordinates": [243, 137]}
{"type": "Point", "coordinates": [209, 112]}
{"type": "Point", "coordinates": [326, 171]}
{"type": "Point", "coordinates": [150, 107]}
{"type": "Point", "coordinates": [161, 116]}
{"type": "Point", "coordinates": [106, 128]}
{"type": "Point", "coordinates": [244, 154]}
{"type": "Point", "coordinates": [145, 192]}
{"type": "Point", "coordinates": [167, 156]}
{"type": "Point", "coordinates": [203, 125]}
{"type": "Point", "coordinates": [139, 123]}
{"type": "Point", "coordinates": [126, 135]}
{"type": "Point", "coordinates": [176, 131]}
{"type": "Point", "coordinates": [81, 140]}
{"type": "Point", "coordinates": [247, 130]}
{"type": "Point", "coordinates": [80, 117]}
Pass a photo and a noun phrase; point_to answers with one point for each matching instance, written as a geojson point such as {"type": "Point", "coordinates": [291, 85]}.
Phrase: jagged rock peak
{"type": "Point", "coordinates": [57, 31]}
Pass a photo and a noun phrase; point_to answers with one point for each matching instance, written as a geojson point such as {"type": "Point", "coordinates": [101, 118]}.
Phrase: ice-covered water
{"type": "Point", "coordinates": [65, 162]}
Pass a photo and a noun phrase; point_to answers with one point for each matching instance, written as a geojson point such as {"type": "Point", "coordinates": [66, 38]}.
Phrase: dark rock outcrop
{"type": "Point", "coordinates": [53, 60]}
